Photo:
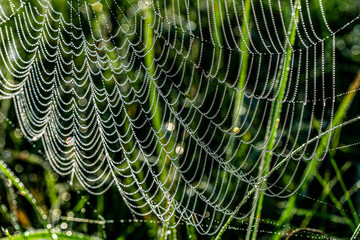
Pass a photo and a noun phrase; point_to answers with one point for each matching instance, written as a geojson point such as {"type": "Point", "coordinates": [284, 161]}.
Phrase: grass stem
{"type": "Point", "coordinates": [25, 193]}
{"type": "Point", "coordinates": [339, 117]}
{"type": "Point", "coordinates": [273, 122]}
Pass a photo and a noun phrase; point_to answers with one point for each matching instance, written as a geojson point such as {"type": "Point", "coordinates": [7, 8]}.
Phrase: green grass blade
{"type": "Point", "coordinates": [7, 233]}
{"type": "Point", "coordinates": [346, 192]}
{"type": "Point", "coordinates": [339, 117]}
{"type": "Point", "coordinates": [10, 213]}
{"type": "Point", "coordinates": [227, 223]}
{"type": "Point", "coordinates": [156, 109]}
{"type": "Point", "coordinates": [244, 43]}
{"type": "Point", "coordinates": [80, 204]}
{"type": "Point", "coordinates": [345, 104]}
{"type": "Point", "coordinates": [100, 203]}
{"type": "Point", "coordinates": [324, 194]}
{"type": "Point", "coordinates": [24, 192]}
{"type": "Point", "coordinates": [273, 122]}
{"type": "Point", "coordinates": [191, 232]}
{"type": "Point", "coordinates": [335, 201]}
{"type": "Point", "coordinates": [150, 67]}
{"type": "Point", "coordinates": [43, 234]}
{"type": "Point", "coordinates": [164, 232]}
{"type": "Point", "coordinates": [356, 233]}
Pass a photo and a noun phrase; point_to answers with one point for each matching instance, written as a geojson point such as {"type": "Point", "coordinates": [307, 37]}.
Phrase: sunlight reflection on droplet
{"type": "Point", "coordinates": [63, 225]}
{"type": "Point", "coordinates": [170, 126]}
{"type": "Point", "coordinates": [179, 149]}
{"type": "Point", "coordinates": [69, 141]}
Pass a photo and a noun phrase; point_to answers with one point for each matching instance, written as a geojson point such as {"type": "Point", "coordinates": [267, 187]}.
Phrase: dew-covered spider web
{"type": "Point", "coordinates": [184, 106]}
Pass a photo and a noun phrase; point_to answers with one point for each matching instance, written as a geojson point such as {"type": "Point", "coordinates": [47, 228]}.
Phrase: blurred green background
{"type": "Point", "coordinates": [327, 202]}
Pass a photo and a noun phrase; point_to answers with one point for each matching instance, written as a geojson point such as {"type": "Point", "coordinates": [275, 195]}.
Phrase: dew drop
{"type": "Point", "coordinates": [170, 126]}
{"type": "Point", "coordinates": [70, 141]}
{"type": "Point", "coordinates": [179, 149]}
{"type": "Point", "coordinates": [63, 225]}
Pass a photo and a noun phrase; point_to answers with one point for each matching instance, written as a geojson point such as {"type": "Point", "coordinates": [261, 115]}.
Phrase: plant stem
{"type": "Point", "coordinates": [217, 31]}
{"type": "Point", "coordinates": [155, 107]}
{"type": "Point", "coordinates": [346, 192]}
{"type": "Point", "coordinates": [273, 122]}
{"type": "Point", "coordinates": [356, 233]}
{"type": "Point", "coordinates": [25, 193]}
{"type": "Point", "coordinates": [99, 210]}
{"type": "Point", "coordinates": [43, 234]}
{"type": "Point", "coordinates": [343, 108]}
{"type": "Point", "coordinates": [339, 117]}
{"type": "Point", "coordinates": [244, 43]}
{"type": "Point", "coordinates": [335, 201]}
{"type": "Point", "coordinates": [222, 230]}
{"type": "Point", "coordinates": [191, 233]}
{"type": "Point", "coordinates": [324, 194]}
{"type": "Point", "coordinates": [150, 67]}
{"type": "Point", "coordinates": [266, 176]}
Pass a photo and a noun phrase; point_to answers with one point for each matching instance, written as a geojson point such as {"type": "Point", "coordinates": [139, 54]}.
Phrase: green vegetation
{"type": "Point", "coordinates": [37, 203]}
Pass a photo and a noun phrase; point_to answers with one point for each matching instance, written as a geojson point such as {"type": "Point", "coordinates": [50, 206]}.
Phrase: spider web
{"type": "Point", "coordinates": [185, 106]}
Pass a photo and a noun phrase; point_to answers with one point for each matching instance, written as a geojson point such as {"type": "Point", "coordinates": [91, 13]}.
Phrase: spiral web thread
{"type": "Point", "coordinates": [147, 96]}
